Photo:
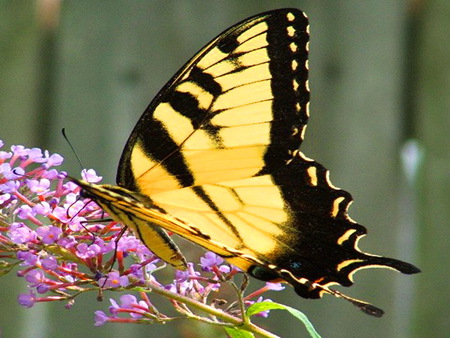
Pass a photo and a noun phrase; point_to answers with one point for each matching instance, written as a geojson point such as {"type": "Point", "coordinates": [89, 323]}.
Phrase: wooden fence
{"type": "Point", "coordinates": [380, 77]}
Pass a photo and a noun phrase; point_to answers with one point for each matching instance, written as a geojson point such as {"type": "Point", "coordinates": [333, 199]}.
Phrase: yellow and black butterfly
{"type": "Point", "coordinates": [215, 159]}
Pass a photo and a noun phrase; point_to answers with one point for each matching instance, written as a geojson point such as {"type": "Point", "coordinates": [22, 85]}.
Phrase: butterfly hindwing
{"type": "Point", "coordinates": [291, 220]}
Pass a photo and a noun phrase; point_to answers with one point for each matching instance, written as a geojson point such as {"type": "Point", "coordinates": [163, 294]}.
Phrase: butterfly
{"type": "Point", "coordinates": [216, 159]}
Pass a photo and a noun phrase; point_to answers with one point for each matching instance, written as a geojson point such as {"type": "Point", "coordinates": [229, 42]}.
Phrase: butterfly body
{"type": "Point", "coordinates": [215, 159]}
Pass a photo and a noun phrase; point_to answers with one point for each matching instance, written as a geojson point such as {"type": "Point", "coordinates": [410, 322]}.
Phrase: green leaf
{"type": "Point", "coordinates": [264, 306]}
{"type": "Point", "coordinates": [63, 253]}
{"type": "Point", "coordinates": [238, 333]}
{"type": "Point", "coordinates": [6, 267]}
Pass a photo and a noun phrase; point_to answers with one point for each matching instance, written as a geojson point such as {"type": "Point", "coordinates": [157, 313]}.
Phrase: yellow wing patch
{"type": "Point", "coordinates": [244, 220]}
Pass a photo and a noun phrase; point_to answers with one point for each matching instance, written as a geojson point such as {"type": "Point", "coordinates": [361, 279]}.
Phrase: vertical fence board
{"type": "Point", "coordinates": [19, 80]}
{"type": "Point", "coordinates": [433, 123]}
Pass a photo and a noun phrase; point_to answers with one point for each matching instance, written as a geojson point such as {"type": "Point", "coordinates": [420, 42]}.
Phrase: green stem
{"type": "Point", "coordinates": [225, 317]}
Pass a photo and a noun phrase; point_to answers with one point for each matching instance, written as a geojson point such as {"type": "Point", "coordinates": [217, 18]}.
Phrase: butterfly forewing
{"type": "Point", "coordinates": [234, 110]}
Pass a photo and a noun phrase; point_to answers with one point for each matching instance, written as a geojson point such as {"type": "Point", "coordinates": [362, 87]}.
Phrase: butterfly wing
{"type": "Point", "coordinates": [215, 159]}
{"type": "Point", "coordinates": [290, 224]}
{"type": "Point", "coordinates": [236, 109]}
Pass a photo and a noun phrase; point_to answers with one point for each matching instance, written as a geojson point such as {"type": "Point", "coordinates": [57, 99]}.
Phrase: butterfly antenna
{"type": "Point", "coordinates": [63, 131]}
{"type": "Point", "coordinates": [77, 213]}
{"type": "Point", "coordinates": [116, 245]}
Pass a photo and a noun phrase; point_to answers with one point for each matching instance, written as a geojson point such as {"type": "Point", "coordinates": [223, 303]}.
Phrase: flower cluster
{"type": "Point", "coordinates": [64, 245]}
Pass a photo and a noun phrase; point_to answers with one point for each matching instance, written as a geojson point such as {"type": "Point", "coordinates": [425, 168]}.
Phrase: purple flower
{"type": "Point", "coordinates": [42, 208]}
{"type": "Point", "coordinates": [20, 151]}
{"type": "Point", "coordinates": [67, 242]}
{"type": "Point", "coordinates": [4, 198]}
{"type": "Point", "coordinates": [34, 276]}
{"type": "Point", "coordinates": [136, 271]}
{"type": "Point", "coordinates": [35, 155]}
{"type": "Point", "coordinates": [87, 251]}
{"type": "Point", "coordinates": [39, 187]}
{"type": "Point", "coordinates": [126, 243]}
{"type": "Point", "coordinates": [53, 203]}
{"type": "Point", "coordinates": [130, 302]}
{"type": "Point", "coordinates": [90, 176]}
{"type": "Point", "coordinates": [9, 187]}
{"type": "Point", "coordinates": [25, 212]}
{"type": "Point", "coordinates": [225, 268]}
{"type": "Point", "coordinates": [72, 200]}
{"type": "Point", "coordinates": [181, 276]}
{"type": "Point", "coordinates": [70, 186]}
{"type": "Point", "coordinates": [20, 233]}
{"type": "Point", "coordinates": [37, 279]}
{"type": "Point", "coordinates": [52, 160]}
{"type": "Point", "coordinates": [5, 169]}
{"type": "Point", "coordinates": [275, 286]}
{"type": "Point", "coordinates": [186, 288]}
{"type": "Point", "coordinates": [210, 260]}
{"type": "Point", "coordinates": [132, 244]}
{"type": "Point", "coordinates": [27, 299]}
{"type": "Point", "coordinates": [27, 258]}
{"type": "Point", "coordinates": [100, 318]}
{"type": "Point", "coordinates": [48, 234]}
{"type": "Point", "coordinates": [69, 214]}
{"type": "Point", "coordinates": [51, 174]}
{"type": "Point", "coordinates": [69, 304]}
{"type": "Point", "coordinates": [105, 247]}
{"type": "Point", "coordinates": [69, 267]}
{"type": "Point", "coordinates": [10, 173]}
{"type": "Point", "coordinates": [49, 263]}
{"type": "Point", "coordinates": [114, 308]}
{"type": "Point", "coordinates": [61, 214]}
{"type": "Point", "coordinates": [4, 155]}
{"type": "Point", "coordinates": [113, 280]}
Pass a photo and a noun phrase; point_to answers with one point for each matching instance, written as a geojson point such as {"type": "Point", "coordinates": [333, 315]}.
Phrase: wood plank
{"type": "Point", "coordinates": [432, 122]}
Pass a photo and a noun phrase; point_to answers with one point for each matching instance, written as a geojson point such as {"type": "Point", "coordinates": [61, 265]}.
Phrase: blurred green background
{"type": "Point", "coordinates": [380, 83]}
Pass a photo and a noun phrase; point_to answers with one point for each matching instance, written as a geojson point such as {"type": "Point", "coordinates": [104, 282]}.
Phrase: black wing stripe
{"type": "Point", "coordinates": [287, 115]}
{"type": "Point", "coordinates": [159, 147]}
{"type": "Point", "coordinates": [205, 81]}
{"type": "Point", "coordinates": [200, 192]}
